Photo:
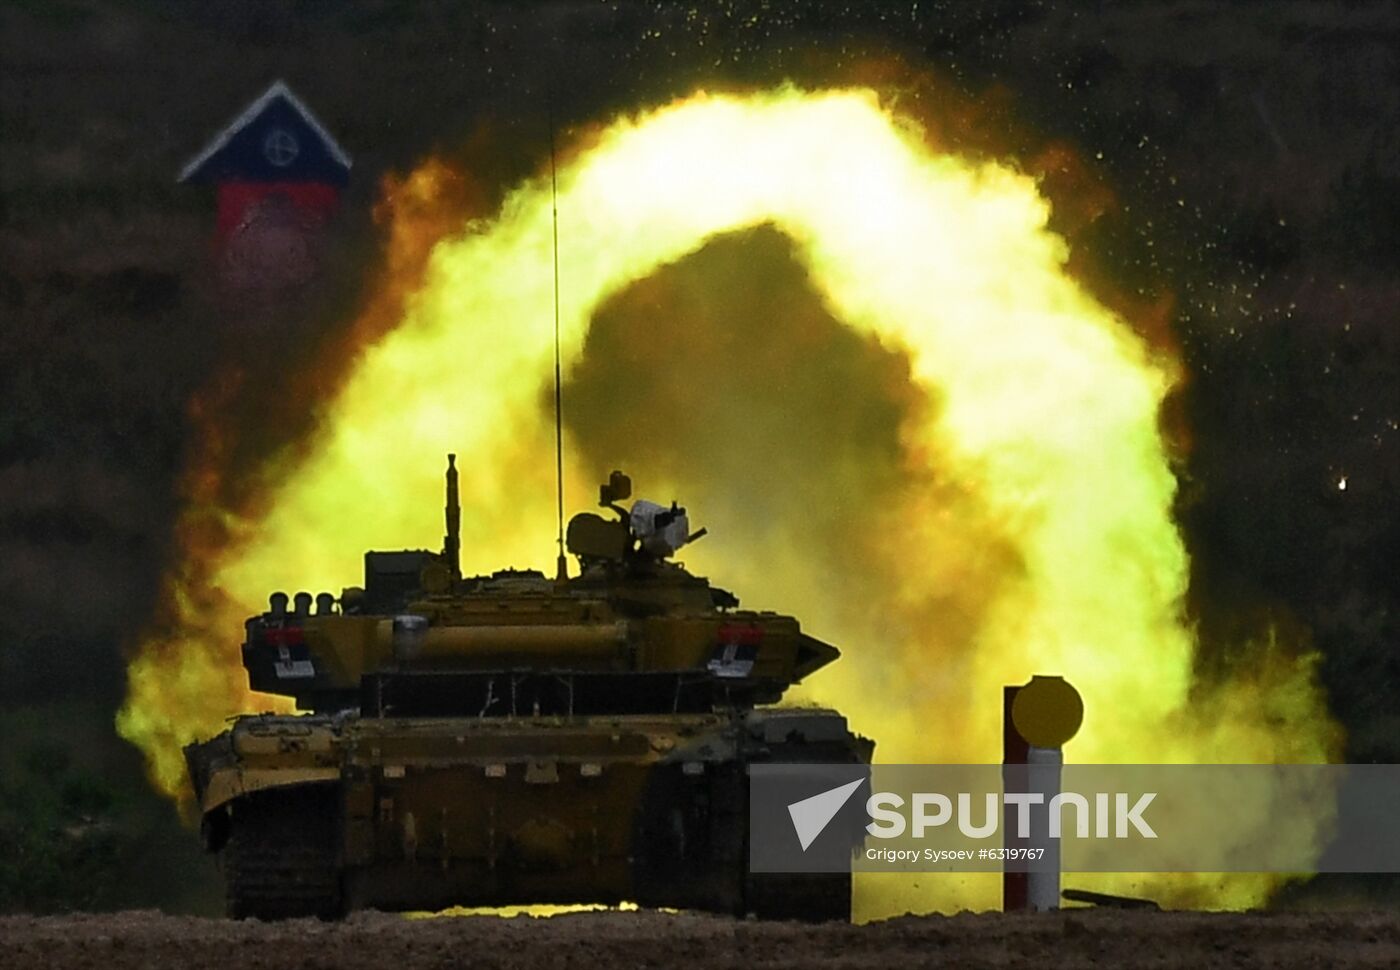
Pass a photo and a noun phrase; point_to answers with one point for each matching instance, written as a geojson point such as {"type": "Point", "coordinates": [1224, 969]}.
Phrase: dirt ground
{"type": "Point", "coordinates": [1066, 940]}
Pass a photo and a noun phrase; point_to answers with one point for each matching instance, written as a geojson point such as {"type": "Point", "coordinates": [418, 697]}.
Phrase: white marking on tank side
{"type": "Point", "coordinates": [294, 669]}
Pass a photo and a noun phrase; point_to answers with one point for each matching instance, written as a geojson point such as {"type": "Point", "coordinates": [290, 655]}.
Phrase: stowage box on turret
{"type": "Point", "coordinates": [514, 739]}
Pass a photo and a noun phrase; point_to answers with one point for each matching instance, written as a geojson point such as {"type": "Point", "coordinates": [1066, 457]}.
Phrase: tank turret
{"type": "Point", "coordinates": [633, 631]}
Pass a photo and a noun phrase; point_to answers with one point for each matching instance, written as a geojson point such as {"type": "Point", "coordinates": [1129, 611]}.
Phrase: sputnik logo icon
{"type": "Point", "coordinates": [811, 815]}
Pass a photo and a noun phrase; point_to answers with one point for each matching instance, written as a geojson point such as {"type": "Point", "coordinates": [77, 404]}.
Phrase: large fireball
{"type": "Point", "coordinates": [1021, 522]}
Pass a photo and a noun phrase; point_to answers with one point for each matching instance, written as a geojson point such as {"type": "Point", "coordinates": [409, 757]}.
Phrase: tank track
{"type": "Point", "coordinates": [808, 897]}
{"type": "Point", "coordinates": [280, 861]}
{"type": "Point", "coordinates": [812, 897]}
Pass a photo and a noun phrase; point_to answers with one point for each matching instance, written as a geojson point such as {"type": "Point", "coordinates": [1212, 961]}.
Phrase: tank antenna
{"type": "Point", "coordinates": [562, 564]}
{"type": "Point", "coordinates": [452, 541]}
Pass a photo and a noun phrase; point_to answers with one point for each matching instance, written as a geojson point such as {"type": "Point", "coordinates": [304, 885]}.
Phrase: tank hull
{"type": "Point", "coordinates": [320, 815]}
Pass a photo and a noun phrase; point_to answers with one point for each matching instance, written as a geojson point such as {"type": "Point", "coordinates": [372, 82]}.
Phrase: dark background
{"type": "Point", "coordinates": [1252, 149]}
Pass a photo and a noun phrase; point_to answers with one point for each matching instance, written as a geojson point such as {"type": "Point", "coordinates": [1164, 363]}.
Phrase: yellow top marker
{"type": "Point", "coordinates": [1047, 711]}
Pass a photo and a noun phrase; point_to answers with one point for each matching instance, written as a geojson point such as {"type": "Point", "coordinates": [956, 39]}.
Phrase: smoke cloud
{"type": "Point", "coordinates": [864, 363]}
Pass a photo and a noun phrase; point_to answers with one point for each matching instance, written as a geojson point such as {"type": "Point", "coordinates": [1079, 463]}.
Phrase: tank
{"type": "Point", "coordinates": [517, 739]}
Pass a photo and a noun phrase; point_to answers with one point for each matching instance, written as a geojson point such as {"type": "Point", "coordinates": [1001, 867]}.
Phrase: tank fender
{"type": "Point", "coordinates": [775, 727]}
{"type": "Point", "coordinates": [229, 784]}
{"type": "Point", "coordinates": [711, 746]}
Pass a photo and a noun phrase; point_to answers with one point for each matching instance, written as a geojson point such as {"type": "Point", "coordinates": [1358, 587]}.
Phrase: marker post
{"type": "Point", "coordinates": [1015, 755]}
{"type": "Point", "coordinates": [1037, 719]}
{"type": "Point", "coordinates": [1043, 882]}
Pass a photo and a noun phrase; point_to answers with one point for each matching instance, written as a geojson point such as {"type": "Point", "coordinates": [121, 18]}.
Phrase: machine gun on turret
{"type": "Point", "coordinates": [646, 533]}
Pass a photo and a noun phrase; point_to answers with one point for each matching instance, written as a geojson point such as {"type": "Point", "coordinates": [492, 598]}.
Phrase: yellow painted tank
{"type": "Point", "coordinates": [516, 739]}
